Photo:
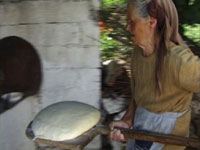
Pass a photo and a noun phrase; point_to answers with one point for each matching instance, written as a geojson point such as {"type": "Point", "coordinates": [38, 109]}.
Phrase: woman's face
{"type": "Point", "coordinates": [140, 28]}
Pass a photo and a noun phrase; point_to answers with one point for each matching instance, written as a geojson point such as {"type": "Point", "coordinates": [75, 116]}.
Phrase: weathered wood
{"type": "Point", "coordinates": [154, 137]}
{"type": "Point", "coordinates": [76, 144]}
{"type": "Point", "coordinates": [80, 142]}
{"type": "Point", "coordinates": [161, 138]}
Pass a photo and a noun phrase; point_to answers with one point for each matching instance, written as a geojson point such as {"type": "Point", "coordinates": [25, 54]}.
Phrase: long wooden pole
{"type": "Point", "coordinates": [155, 137]}
{"type": "Point", "coordinates": [80, 142]}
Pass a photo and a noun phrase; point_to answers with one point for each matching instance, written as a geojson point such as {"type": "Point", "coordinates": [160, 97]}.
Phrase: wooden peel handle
{"type": "Point", "coordinates": [155, 137]}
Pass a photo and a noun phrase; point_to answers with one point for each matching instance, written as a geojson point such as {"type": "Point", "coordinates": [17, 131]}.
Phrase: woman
{"type": "Point", "coordinates": [165, 73]}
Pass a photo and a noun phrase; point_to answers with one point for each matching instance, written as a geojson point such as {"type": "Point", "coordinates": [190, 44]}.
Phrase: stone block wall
{"type": "Point", "coordinates": [65, 34]}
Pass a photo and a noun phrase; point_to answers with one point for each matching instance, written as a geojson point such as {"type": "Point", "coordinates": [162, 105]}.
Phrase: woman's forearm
{"type": "Point", "coordinates": [129, 116]}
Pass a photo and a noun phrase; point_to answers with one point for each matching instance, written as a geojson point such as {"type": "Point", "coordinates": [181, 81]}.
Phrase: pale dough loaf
{"type": "Point", "coordinates": [64, 121]}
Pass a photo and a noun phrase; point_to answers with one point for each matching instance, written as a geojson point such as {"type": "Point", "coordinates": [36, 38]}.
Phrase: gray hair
{"type": "Point", "coordinates": [141, 7]}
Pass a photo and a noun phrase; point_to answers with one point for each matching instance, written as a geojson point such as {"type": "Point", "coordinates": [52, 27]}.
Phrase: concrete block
{"type": "Point", "coordinates": [71, 85]}
{"type": "Point", "coordinates": [90, 34]}
{"type": "Point", "coordinates": [65, 35]}
{"type": "Point", "coordinates": [71, 56]}
{"type": "Point", "coordinates": [44, 12]}
{"type": "Point", "coordinates": [44, 34]}
{"type": "Point", "coordinates": [13, 124]}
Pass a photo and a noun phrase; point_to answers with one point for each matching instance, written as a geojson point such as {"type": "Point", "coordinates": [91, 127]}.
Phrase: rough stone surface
{"type": "Point", "coordinates": [72, 56]}
{"type": "Point", "coordinates": [50, 11]}
{"type": "Point", "coordinates": [45, 34]}
{"type": "Point", "coordinates": [65, 34]}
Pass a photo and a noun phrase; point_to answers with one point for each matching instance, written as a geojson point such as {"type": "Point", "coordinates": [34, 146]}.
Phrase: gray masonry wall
{"type": "Point", "coordinates": [65, 34]}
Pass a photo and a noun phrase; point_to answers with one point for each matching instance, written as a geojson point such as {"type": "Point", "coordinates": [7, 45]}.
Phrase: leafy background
{"type": "Point", "coordinates": [115, 40]}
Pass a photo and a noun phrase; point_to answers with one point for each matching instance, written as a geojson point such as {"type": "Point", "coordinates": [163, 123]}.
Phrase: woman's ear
{"type": "Point", "coordinates": [152, 22]}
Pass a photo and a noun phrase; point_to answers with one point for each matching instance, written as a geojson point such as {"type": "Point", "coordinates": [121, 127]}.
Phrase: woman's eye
{"type": "Point", "coordinates": [132, 23]}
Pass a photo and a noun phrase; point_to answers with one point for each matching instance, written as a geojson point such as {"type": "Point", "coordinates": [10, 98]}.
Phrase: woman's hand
{"type": "Point", "coordinates": [116, 134]}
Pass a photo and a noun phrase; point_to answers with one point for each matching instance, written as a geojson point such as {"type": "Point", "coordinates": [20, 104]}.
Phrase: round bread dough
{"type": "Point", "coordinates": [64, 121]}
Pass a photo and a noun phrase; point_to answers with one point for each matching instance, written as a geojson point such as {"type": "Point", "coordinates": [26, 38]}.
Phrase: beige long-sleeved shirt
{"type": "Point", "coordinates": [180, 79]}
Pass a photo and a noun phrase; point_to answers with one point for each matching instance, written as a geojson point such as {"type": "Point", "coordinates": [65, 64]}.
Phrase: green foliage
{"type": "Point", "coordinates": [113, 2]}
{"type": "Point", "coordinates": [111, 48]}
{"type": "Point", "coordinates": [189, 10]}
{"type": "Point", "coordinates": [114, 41]}
{"type": "Point", "coordinates": [107, 4]}
{"type": "Point", "coordinates": [108, 46]}
{"type": "Point", "coordinates": [192, 32]}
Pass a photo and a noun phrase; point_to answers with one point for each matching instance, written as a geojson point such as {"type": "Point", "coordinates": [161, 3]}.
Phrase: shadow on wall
{"type": "Point", "coordinates": [20, 71]}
